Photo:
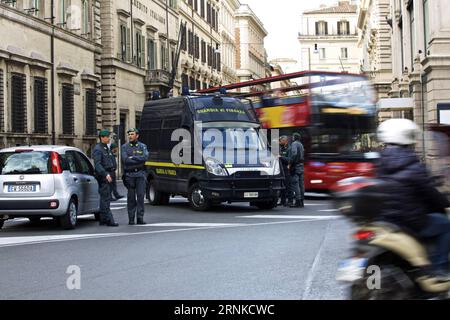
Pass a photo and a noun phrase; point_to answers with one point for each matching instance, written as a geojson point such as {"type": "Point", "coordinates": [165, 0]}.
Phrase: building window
{"type": "Point", "coordinates": [164, 64]}
{"type": "Point", "coordinates": [67, 109]}
{"type": "Point", "coordinates": [40, 105]}
{"type": "Point", "coordinates": [125, 47]}
{"type": "Point", "coordinates": [321, 28]}
{"type": "Point", "coordinates": [426, 23]}
{"type": "Point", "coordinates": [344, 53]}
{"type": "Point", "coordinates": [197, 47]}
{"type": "Point", "coordinates": [343, 28]}
{"type": "Point", "coordinates": [202, 8]}
{"type": "Point", "coordinates": [139, 53]}
{"type": "Point", "coordinates": [137, 123]}
{"type": "Point", "coordinates": [184, 80]}
{"type": "Point", "coordinates": [173, 4]}
{"type": "Point", "coordinates": [412, 32]}
{"type": "Point", "coordinates": [322, 53]}
{"type": "Point", "coordinates": [86, 19]}
{"type": "Point", "coordinates": [151, 52]}
{"type": "Point", "coordinates": [2, 103]}
{"type": "Point", "coordinates": [191, 83]}
{"type": "Point", "coordinates": [63, 6]}
{"type": "Point", "coordinates": [18, 103]}
{"type": "Point", "coordinates": [91, 112]}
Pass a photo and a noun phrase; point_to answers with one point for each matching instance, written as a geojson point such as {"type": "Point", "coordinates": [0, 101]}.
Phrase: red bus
{"type": "Point", "coordinates": [334, 112]}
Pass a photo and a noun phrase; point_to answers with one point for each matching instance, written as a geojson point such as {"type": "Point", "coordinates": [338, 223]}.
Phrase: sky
{"type": "Point", "coordinates": [282, 22]}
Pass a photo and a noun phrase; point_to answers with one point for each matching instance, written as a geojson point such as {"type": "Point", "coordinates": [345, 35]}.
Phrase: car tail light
{"type": "Point", "coordinates": [364, 235]}
{"type": "Point", "coordinates": [56, 165]}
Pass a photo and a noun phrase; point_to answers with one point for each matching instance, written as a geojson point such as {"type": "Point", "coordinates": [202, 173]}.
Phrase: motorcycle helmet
{"type": "Point", "coordinates": [398, 131]}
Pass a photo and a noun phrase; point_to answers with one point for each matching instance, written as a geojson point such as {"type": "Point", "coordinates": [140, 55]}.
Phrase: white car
{"type": "Point", "coordinates": [47, 181]}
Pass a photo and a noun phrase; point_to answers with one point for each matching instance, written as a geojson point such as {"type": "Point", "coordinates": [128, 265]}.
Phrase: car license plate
{"type": "Point", "coordinates": [22, 188]}
{"type": "Point", "coordinates": [351, 269]}
{"type": "Point", "coordinates": [251, 194]}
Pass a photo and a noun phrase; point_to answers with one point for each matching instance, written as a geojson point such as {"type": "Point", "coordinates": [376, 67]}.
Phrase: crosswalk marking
{"type": "Point", "coordinates": [10, 241]}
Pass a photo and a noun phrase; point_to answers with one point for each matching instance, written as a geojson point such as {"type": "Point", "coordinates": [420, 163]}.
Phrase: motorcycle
{"type": "Point", "coordinates": [387, 261]}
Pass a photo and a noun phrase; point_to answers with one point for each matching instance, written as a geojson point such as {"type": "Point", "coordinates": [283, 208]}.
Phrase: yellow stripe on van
{"type": "Point", "coordinates": [173, 165]}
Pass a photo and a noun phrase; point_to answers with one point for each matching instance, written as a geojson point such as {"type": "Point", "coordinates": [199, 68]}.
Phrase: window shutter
{"type": "Point", "coordinates": [67, 109]}
{"type": "Point", "coordinates": [91, 112]}
{"type": "Point", "coordinates": [317, 28]}
{"type": "Point", "coordinates": [128, 44]}
{"type": "Point", "coordinates": [40, 105]}
{"type": "Point", "coordinates": [142, 51]}
{"type": "Point", "coordinates": [18, 103]}
{"type": "Point", "coordinates": [326, 28]}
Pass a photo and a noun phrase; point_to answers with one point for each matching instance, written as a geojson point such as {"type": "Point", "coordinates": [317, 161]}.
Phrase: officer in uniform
{"type": "Point", "coordinates": [284, 149]}
{"type": "Point", "coordinates": [104, 166]}
{"type": "Point", "coordinates": [114, 148]}
{"type": "Point", "coordinates": [134, 156]}
{"type": "Point", "coordinates": [296, 156]}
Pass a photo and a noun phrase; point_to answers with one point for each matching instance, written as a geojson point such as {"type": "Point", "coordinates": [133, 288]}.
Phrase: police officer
{"type": "Point", "coordinates": [284, 149]}
{"type": "Point", "coordinates": [296, 156]}
{"type": "Point", "coordinates": [134, 156]}
{"type": "Point", "coordinates": [104, 166]}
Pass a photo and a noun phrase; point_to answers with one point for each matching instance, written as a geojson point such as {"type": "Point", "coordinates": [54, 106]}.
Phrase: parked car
{"type": "Point", "coordinates": [47, 181]}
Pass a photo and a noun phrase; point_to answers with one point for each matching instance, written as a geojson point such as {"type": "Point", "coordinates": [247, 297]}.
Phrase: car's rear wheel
{"type": "Point", "coordinates": [69, 220]}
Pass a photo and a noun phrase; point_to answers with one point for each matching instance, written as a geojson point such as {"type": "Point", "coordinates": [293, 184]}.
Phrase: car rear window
{"type": "Point", "coordinates": [30, 162]}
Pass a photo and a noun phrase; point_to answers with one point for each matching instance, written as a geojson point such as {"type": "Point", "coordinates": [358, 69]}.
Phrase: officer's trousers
{"type": "Point", "coordinates": [104, 189]}
{"type": "Point", "coordinates": [135, 198]}
{"type": "Point", "coordinates": [296, 187]}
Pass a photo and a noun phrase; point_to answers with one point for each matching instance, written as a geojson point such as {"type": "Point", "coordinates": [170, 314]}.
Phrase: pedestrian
{"type": "Point", "coordinates": [284, 161]}
{"type": "Point", "coordinates": [104, 167]}
{"type": "Point", "coordinates": [296, 157]}
{"type": "Point", "coordinates": [134, 156]}
{"type": "Point", "coordinates": [114, 193]}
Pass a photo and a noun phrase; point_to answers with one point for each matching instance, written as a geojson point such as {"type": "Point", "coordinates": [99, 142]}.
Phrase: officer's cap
{"type": "Point", "coordinates": [114, 145]}
{"type": "Point", "coordinates": [296, 135]}
{"type": "Point", "coordinates": [133, 130]}
{"type": "Point", "coordinates": [104, 133]}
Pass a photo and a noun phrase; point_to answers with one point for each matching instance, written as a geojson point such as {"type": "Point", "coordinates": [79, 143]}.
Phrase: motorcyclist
{"type": "Point", "coordinates": [413, 201]}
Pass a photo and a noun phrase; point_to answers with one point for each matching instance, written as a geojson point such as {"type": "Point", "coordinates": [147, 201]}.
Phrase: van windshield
{"type": "Point", "coordinates": [35, 162]}
{"type": "Point", "coordinates": [210, 108]}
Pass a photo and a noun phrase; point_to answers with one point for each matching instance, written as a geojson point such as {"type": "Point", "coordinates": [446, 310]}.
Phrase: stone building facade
{"type": "Point", "coordinates": [251, 56]}
{"type": "Point", "coordinates": [139, 41]}
{"type": "Point", "coordinates": [30, 111]}
{"type": "Point", "coordinates": [200, 54]}
{"type": "Point", "coordinates": [228, 45]}
{"type": "Point", "coordinates": [329, 39]}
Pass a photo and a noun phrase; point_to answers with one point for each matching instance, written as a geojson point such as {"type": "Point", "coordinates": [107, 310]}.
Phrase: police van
{"type": "Point", "coordinates": [209, 149]}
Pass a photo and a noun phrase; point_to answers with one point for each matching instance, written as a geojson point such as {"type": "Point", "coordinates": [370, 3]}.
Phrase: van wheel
{"type": "Point", "coordinates": [69, 220]}
{"type": "Point", "coordinates": [197, 200]}
{"type": "Point", "coordinates": [1, 223]}
{"type": "Point", "coordinates": [265, 205]}
{"type": "Point", "coordinates": [156, 197]}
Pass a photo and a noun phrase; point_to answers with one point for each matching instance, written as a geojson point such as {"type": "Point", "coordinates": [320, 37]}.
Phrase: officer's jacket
{"type": "Point", "coordinates": [134, 156]}
{"type": "Point", "coordinates": [104, 160]}
{"type": "Point", "coordinates": [296, 154]}
{"type": "Point", "coordinates": [284, 155]}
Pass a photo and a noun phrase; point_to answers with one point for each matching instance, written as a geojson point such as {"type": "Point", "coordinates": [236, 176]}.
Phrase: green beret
{"type": "Point", "coordinates": [114, 145]}
{"type": "Point", "coordinates": [104, 133]}
{"type": "Point", "coordinates": [296, 135]}
{"type": "Point", "coordinates": [133, 130]}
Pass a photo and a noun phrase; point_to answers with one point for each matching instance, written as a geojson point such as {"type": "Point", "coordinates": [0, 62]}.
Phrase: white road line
{"type": "Point", "coordinates": [318, 217]}
{"type": "Point", "coordinates": [11, 241]}
{"type": "Point", "coordinates": [118, 208]}
{"type": "Point", "coordinates": [189, 224]}
{"type": "Point", "coordinates": [329, 210]}
{"type": "Point", "coordinates": [17, 241]}
{"type": "Point", "coordinates": [312, 271]}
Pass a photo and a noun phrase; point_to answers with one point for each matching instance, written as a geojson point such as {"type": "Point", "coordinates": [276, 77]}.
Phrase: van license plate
{"type": "Point", "coordinates": [22, 188]}
{"type": "Point", "coordinates": [251, 194]}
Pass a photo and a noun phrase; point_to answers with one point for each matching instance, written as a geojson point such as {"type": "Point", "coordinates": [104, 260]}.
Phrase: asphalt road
{"type": "Point", "coordinates": [232, 252]}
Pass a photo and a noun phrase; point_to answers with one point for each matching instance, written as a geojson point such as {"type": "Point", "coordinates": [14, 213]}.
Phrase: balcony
{"type": "Point", "coordinates": [157, 77]}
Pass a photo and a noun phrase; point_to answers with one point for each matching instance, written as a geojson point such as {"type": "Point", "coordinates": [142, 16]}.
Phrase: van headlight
{"type": "Point", "coordinates": [215, 167]}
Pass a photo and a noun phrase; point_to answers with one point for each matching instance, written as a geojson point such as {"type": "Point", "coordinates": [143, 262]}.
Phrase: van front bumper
{"type": "Point", "coordinates": [228, 189]}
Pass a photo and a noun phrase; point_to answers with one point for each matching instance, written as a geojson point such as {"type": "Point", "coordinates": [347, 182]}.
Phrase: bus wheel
{"type": "Point", "coordinates": [197, 200]}
{"type": "Point", "coordinates": [156, 197]}
{"type": "Point", "coordinates": [266, 205]}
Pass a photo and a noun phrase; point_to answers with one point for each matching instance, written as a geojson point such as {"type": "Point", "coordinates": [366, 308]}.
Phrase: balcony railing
{"type": "Point", "coordinates": [157, 77]}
